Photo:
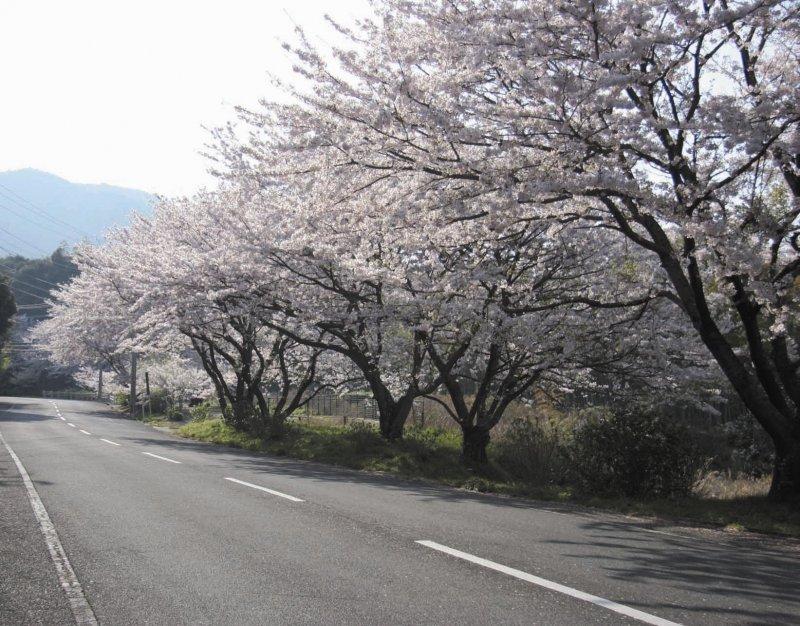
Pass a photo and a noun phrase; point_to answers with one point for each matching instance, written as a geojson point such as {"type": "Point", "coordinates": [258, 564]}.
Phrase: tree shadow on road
{"type": "Point", "coordinates": [731, 576]}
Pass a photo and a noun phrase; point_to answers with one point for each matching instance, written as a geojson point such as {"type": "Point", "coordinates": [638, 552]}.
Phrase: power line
{"type": "Point", "coordinates": [14, 281]}
{"type": "Point", "coordinates": [21, 240]}
{"type": "Point", "coordinates": [28, 219]}
{"type": "Point", "coordinates": [14, 278]}
{"type": "Point", "coordinates": [47, 258]}
{"type": "Point", "coordinates": [33, 295]}
{"type": "Point", "coordinates": [39, 210]}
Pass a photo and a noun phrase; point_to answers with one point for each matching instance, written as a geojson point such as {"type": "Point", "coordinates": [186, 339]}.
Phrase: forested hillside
{"type": "Point", "coordinates": [25, 370]}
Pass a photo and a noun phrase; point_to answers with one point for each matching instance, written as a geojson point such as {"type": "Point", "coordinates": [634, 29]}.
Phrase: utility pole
{"type": "Point", "coordinates": [100, 385]}
{"type": "Point", "coordinates": [133, 386]}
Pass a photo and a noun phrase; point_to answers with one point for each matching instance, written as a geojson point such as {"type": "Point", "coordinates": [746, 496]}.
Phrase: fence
{"type": "Point", "coordinates": [346, 407]}
{"type": "Point", "coordinates": [365, 408]}
{"type": "Point", "coordinates": [75, 395]}
{"type": "Point", "coordinates": [427, 412]}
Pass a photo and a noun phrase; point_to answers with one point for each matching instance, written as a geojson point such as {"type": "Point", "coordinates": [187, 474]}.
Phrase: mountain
{"type": "Point", "coordinates": [40, 211]}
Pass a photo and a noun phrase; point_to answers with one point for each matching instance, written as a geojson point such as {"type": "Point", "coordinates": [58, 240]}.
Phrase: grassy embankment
{"type": "Point", "coordinates": [433, 455]}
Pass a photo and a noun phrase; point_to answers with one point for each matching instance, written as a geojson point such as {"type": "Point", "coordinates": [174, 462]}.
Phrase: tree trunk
{"type": "Point", "coordinates": [241, 415]}
{"type": "Point", "coordinates": [786, 474]}
{"type": "Point", "coordinates": [394, 421]}
{"type": "Point", "coordinates": [473, 445]}
{"type": "Point", "coordinates": [277, 425]}
{"type": "Point", "coordinates": [748, 386]}
{"type": "Point", "coordinates": [392, 414]}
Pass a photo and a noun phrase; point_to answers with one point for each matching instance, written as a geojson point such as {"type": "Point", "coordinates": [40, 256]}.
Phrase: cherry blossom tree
{"type": "Point", "coordinates": [673, 125]}
{"type": "Point", "coordinates": [88, 327]}
{"type": "Point", "coordinates": [183, 280]}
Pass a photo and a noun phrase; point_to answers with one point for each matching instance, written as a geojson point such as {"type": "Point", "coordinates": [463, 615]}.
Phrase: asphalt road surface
{"type": "Point", "coordinates": [159, 530]}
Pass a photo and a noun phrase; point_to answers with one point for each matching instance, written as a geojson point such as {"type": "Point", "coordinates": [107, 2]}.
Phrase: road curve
{"type": "Point", "coordinates": [160, 530]}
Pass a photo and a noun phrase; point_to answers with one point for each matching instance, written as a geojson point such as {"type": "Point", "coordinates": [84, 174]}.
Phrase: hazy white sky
{"type": "Point", "coordinates": [117, 91]}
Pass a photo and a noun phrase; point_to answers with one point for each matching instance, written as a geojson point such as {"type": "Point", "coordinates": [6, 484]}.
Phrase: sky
{"type": "Point", "coordinates": [118, 91]}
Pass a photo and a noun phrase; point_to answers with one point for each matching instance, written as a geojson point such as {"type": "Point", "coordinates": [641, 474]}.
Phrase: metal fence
{"type": "Point", "coordinates": [365, 408]}
{"type": "Point", "coordinates": [76, 395]}
{"type": "Point", "coordinates": [346, 407]}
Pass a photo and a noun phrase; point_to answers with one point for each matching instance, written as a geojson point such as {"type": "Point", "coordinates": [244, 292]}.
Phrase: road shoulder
{"type": "Point", "coordinates": [29, 589]}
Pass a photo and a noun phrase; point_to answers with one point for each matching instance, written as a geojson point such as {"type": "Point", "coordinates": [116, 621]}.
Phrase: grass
{"type": "Point", "coordinates": [422, 454]}
{"type": "Point", "coordinates": [719, 501]}
{"type": "Point", "coordinates": [161, 420]}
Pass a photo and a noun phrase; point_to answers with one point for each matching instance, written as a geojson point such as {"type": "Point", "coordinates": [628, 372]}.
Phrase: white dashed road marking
{"type": "Point", "coordinates": [81, 610]}
{"type": "Point", "coordinates": [71, 424]}
{"type": "Point", "coordinates": [260, 488]}
{"type": "Point", "coordinates": [85, 432]}
{"type": "Point", "coordinates": [113, 443]}
{"type": "Point", "coordinates": [163, 458]}
{"type": "Point", "coordinates": [647, 618]}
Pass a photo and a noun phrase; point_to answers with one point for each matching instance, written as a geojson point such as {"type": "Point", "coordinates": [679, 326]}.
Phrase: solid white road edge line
{"type": "Point", "coordinates": [81, 610]}
{"type": "Point", "coordinates": [111, 442]}
{"type": "Point", "coordinates": [260, 488]}
{"type": "Point", "coordinates": [85, 432]}
{"type": "Point", "coordinates": [163, 458]}
{"type": "Point", "coordinates": [647, 618]}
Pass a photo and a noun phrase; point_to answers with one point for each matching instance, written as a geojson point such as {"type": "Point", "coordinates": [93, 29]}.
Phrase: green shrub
{"type": "Point", "coordinates": [121, 398]}
{"type": "Point", "coordinates": [432, 436]}
{"type": "Point", "coordinates": [534, 451]}
{"type": "Point", "coordinates": [201, 412]}
{"type": "Point", "coordinates": [361, 434]}
{"type": "Point", "coordinates": [174, 414]}
{"type": "Point", "coordinates": [634, 454]}
{"type": "Point", "coordinates": [159, 401]}
{"type": "Point", "coordinates": [751, 451]}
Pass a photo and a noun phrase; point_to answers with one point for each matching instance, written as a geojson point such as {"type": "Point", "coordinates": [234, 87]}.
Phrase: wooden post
{"type": "Point", "coordinates": [132, 399]}
{"type": "Point", "coordinates": [100, 385]}
{"type": "Point", "coordinates": [147, 390]}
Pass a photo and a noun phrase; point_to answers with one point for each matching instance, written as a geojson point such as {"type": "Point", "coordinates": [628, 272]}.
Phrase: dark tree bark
{"type": "Point", "coordinates": [764, 378]}
{"type": "Point", "coordinates": [474, 444]}
{"type": "Point", "coordinates": [786, 473]}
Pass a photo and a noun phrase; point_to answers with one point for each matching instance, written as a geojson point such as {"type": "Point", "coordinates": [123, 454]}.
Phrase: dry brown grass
{"type": "Point", "coordinates": [726, 486]}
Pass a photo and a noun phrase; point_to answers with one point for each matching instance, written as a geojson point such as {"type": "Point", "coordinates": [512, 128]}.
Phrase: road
{"type": "Point", "coordinates": [160, 530]}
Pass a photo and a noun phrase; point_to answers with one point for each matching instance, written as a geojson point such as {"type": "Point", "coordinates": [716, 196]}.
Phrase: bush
{"type": "Point", "coordinates": [201, 412]}
{"type": "Point", "coordinates": [121, 399]}
{"type": "Point", "coordinates": [174, 414]}
{"type": "Point", "coordinates": [431, 436]}
{"type": "Point", "coordinates": [534, 451]}
{"type": "Point", "coordinates": [634, 455]}
{"type": "Point", "coordinates": [361, 434]}
{"type": "Point", "coordinates": [159, 401]}
{"type": "Point", "coordinates": [751, 451]}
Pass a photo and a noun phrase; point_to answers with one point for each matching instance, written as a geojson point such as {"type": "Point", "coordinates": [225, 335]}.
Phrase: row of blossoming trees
{"type": "Point", "coordinates": [474, 200]}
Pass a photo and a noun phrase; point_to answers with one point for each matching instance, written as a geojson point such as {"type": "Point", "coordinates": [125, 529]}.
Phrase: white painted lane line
{"type": "Point", "coordinates": [81, 610]}
{"type": "Point", "coordinates": [61, 417]}
{"type": "Point", "coordinates": [163, 458]}
{"type": "Point", "coordinates": [647, 618]}
{"type": "Point", "coordinates": [260, 488]}
{"type": "Point", "coordinates": [71, 424]}
{"type": "Point", "coordinates": [85, 432]}
{"type": "Point", "coordinates": [113, 443]}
